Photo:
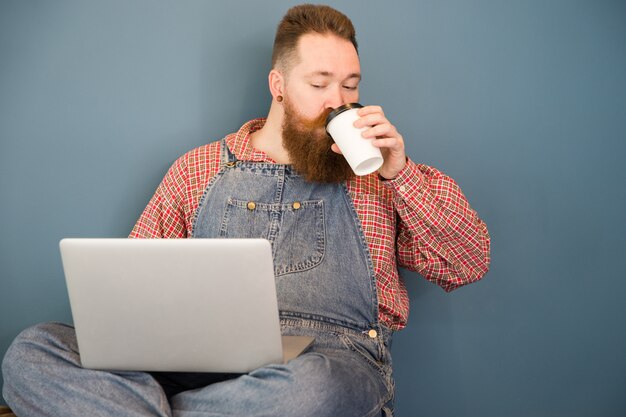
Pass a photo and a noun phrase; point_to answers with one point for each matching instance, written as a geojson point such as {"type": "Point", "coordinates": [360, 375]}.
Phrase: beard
{"type": "Point", "coordinates": [308, 145]}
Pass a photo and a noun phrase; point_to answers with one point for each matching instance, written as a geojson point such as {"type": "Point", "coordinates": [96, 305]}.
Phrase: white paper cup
{"type": "Point", "coordinates": [363, 157]}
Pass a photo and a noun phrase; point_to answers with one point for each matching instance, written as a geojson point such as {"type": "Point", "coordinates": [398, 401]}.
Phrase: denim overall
{"type": "Point", "coordinates": [324, 275]}
{"type": "Point", "coordinates": [321, 259]}
{"type": "Point", "coordinates": [326, 288]}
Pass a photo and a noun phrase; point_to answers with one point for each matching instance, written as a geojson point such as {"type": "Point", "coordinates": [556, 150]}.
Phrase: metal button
{"type": "Point", "coordinates": [231, 164]}
{"type": "Point", "coordinates": [251, 205]}
{"type": "Point", "coordinates": [372, 333]}
{"type": "Point", "coordinates": [296, 205]}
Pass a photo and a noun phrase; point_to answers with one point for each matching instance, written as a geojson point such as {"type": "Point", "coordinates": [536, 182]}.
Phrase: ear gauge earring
{"type": "Point", "coordinates": [279, 99]}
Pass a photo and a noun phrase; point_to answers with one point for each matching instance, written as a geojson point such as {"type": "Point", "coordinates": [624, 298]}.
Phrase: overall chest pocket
{"type": "Point", "coordinates": [296, 230]}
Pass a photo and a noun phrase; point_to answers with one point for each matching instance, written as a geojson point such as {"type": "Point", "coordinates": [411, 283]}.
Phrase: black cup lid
{"type": "Point", "coordinates": [336, 112]}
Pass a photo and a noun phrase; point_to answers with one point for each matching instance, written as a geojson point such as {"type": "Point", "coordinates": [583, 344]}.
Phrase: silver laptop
{"type": "Point", "coordinates": [180, 305]}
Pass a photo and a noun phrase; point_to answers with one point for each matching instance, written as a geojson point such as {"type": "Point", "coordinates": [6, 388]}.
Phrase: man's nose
{"type": "Point", "coordinates": [336, 98]}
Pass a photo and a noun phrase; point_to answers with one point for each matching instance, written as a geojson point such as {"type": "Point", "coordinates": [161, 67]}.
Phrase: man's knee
{"type": "Point", "coordinates": [336, 386]}
{"type": "Point", "coordinates": [32, 344]}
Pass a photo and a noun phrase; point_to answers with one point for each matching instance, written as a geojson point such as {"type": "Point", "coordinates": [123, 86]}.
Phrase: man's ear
{"type": "Point", "coordinates": [276, 82]}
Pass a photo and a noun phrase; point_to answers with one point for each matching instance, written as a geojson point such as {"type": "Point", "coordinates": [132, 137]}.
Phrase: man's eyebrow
{"type": "Point", "coordinates": [330, 74]}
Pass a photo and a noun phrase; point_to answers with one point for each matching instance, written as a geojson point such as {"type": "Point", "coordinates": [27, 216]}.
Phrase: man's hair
{"type": "Point", "coordinates": [304, 19]}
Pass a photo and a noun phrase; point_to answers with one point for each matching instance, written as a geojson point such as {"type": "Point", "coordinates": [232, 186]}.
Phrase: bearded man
{"type": "Point", "coordinates": [338, 240]}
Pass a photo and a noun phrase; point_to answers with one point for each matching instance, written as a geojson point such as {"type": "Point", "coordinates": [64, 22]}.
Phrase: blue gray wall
{"type": "Point", "coordinates": [524, 103]}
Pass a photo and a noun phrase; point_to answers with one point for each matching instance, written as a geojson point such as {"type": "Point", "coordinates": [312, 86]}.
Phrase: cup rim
{"type": "Point", "coordinates": [336, 112]}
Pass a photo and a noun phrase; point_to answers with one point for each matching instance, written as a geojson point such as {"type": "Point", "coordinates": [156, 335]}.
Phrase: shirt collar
{"type": "Point", "coordinates": [239, 143]}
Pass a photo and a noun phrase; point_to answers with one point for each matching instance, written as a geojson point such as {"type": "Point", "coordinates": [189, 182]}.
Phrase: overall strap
{"type": "Point", "coordinates": [227, 157]}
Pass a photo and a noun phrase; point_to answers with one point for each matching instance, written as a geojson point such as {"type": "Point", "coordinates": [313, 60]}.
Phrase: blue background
{"type": "Point", "coordinates": [523, 103]}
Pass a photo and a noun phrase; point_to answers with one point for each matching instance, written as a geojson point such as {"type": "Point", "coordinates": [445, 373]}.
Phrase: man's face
{"type": "Point", "coordinates": [326, 76]}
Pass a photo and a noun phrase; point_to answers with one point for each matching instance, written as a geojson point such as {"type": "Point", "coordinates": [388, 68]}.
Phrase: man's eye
{"type": "Point", "coordinates": [351, 88]}
{"type": "Point", "coordinates": [317, 86]}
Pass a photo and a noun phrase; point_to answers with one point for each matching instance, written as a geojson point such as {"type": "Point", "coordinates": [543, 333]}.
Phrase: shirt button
{"type": "Point", "coordinates": [296, 205]}
{"type": "Point", "coordinates": [251, 205]}
{"type": "Point", "coordinates": [372, 333]}
{"type": "Point", "coordinates": [402, 188]}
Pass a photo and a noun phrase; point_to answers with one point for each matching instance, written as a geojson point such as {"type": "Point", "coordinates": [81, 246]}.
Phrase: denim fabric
{"type": "Point", "coordinates": [321, 259]}
{"type": "Point", "coordinates": [43, 377]}
{"type": "Point", "coordinates": [326, 288]}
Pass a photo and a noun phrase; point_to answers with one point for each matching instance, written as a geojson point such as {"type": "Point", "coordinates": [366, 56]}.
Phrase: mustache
{"type": "Point", "coordinates": [318, 122]}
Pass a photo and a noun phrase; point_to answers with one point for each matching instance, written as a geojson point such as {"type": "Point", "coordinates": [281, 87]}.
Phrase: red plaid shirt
{"type": "Point", "coordinates": [420, 220]}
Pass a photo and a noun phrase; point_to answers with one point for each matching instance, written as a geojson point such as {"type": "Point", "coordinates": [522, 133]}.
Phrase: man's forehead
{"type": "Point", "coordinates": [327, 56]}
{"type": "Point", "coordinates": [316, 47]}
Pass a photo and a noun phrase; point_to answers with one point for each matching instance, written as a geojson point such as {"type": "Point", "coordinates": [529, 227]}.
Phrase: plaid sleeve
{"type": "Point", "coordinates": [169, 214]}
{"type": "Point", "coordinates": [439, 235]}
{"type": "Point", "coordinates": [163, 217]}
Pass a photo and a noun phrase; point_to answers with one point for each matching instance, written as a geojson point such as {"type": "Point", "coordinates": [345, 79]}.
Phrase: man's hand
{"type": "Point", "coordinates": [386, 137]}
